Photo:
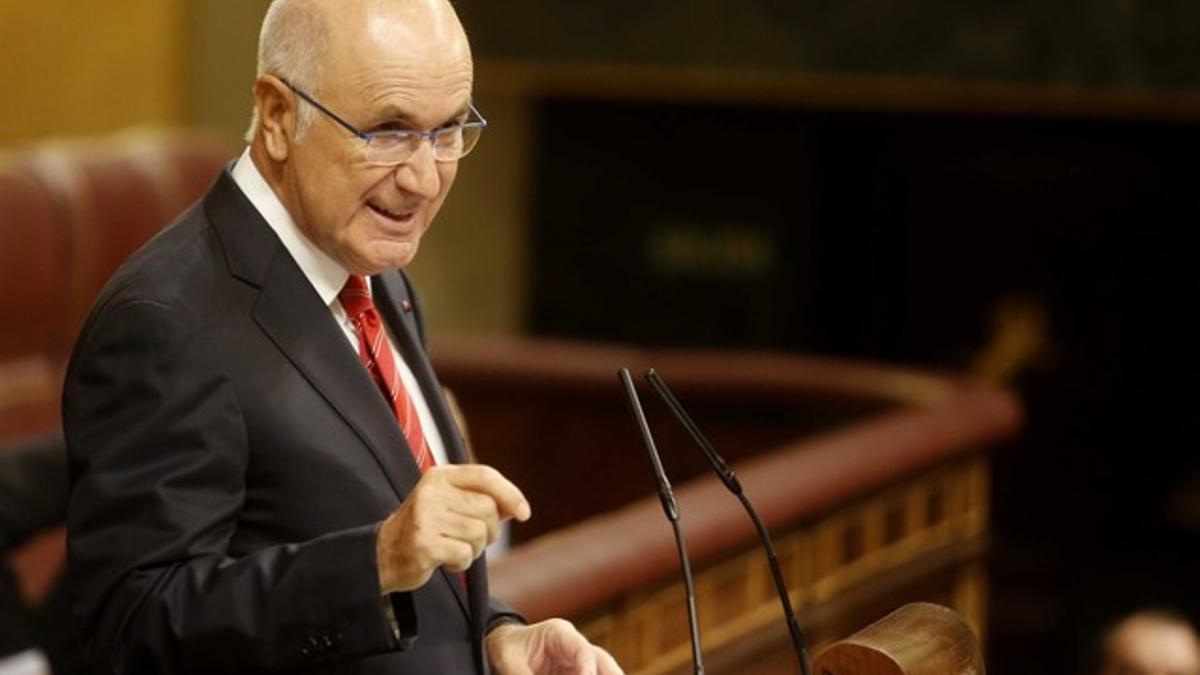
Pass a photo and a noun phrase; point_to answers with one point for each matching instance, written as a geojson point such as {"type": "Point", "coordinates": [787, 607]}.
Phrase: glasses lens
{"type": "Point", "coordinates": [392, 148]}
{"type": "Point", "coordinates": [468, 138]}
{"type": "Point", "coordinates": [449, 144]}
{"type": "Point", "coordinates": [455, 142]}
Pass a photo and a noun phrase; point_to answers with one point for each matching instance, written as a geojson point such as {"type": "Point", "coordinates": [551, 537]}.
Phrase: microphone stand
{"type": "Point", "coordinates": [731, 482]}
{"type": "Point", "coordinates": [672, 510]}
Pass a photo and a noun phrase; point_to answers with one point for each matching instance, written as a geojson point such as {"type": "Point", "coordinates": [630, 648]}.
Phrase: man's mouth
{"type": "Point", "coordinates": [399, 217]}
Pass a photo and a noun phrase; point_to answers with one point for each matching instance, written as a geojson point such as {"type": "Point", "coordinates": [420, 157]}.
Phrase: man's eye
{"type": "Point", "coordinates": [390, 138]}
{"type": "Point", "coordinates": [391, 128]}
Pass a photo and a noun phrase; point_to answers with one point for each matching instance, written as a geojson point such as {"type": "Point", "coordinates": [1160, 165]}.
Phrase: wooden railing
{"type": "Point", "coordinates": [551, 416]}
{"type": "Point", "coordinates": [887, 504]}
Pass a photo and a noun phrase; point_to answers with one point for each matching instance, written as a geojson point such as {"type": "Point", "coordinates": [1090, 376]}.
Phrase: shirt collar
{"type": "Point", "coordinates": [325, 274]}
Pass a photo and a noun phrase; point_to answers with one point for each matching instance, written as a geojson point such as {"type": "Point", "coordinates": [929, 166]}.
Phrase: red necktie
{"type": "Point", "coordinates": [376, 355]}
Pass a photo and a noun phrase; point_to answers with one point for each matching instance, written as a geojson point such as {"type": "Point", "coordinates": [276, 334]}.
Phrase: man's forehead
{"type": "Point", "coordinates": [406, 54]}
{"type": "Point", "coordinates": [432, 43]}
{"type": "Point", "coordinates": [422, 20]}
{"type": "Point", "coordinates": [456, 107]}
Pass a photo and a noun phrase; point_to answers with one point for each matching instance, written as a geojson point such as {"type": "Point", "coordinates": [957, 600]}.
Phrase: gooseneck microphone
{"type": "Point", "coordinates": [730, 480]}
{"type": "Point", "coordinates": [671, 509]}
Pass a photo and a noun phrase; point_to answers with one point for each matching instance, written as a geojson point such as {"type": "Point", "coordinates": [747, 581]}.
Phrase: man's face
{"type": "Point", "coordinates": [386, 70]}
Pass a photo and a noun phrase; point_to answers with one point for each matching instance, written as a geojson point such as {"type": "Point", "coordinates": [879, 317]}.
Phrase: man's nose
{"type": "Point", "coordinates": [419, 175]}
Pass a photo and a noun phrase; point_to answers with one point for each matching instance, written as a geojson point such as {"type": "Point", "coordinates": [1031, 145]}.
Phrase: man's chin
{"type": "Point", "coordinates": [389, 256]}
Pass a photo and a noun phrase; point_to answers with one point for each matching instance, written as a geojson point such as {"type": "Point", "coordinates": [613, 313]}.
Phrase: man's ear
{"type": "Point", "coordinates": [276, 116]}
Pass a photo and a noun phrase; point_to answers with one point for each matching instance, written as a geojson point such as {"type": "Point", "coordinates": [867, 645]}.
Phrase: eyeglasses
{"type": "Point", "coordinates": [396, 146]}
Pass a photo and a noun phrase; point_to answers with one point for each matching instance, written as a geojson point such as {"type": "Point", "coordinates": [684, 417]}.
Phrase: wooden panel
{"type": "Point", "coordinates": [839, 569]}
{"type": "Point", "coordinates": [86, 68]}
{"type": "Point", "coordinates": [826, 91]}
{"type": "Point", "coordinates": [1120, 44]}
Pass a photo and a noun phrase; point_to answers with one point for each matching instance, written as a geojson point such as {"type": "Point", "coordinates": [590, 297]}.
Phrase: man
{"type": "Point", "coordinates": [264, 474]}
{"type": "Point", "coordinates": [1149, 642]}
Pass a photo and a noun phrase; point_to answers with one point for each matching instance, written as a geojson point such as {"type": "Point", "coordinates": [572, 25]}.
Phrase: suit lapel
{"type": "Point", "coordinates": [395, 303]}
{"type": "Point", "coordinates": [319, 350]}
{"type": "Point", "coordinates": [292, 315]}
{"type": "Point", "coordinates": [391, 298]}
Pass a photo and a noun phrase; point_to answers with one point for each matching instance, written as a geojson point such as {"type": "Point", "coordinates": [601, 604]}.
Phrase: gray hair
{"type": "Point", "coordinates": [292, 45]}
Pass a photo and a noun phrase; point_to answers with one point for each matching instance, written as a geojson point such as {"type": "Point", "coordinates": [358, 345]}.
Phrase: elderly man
{"type": "Point", "coordinates": [264, 473]}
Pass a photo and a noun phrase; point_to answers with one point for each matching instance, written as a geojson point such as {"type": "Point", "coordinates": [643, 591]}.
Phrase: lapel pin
{"type": "Point", "coordinates": [407, 306]}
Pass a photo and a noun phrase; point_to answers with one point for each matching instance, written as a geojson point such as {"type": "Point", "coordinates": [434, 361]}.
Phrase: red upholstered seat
{"type": "Point", "coordinates": [69, 214]}
{"type": "Point", "coordinates": [33, 244]}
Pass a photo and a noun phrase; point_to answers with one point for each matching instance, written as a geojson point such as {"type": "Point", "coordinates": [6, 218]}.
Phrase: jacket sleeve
{"type": "Point", "coordinates": [33, 489]}
{"type": "Point", "coordinates": [158, 451]}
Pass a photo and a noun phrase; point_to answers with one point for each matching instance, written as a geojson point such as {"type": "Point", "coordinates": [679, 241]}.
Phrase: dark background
{"type": "Point", "coordinates": [896, 237]}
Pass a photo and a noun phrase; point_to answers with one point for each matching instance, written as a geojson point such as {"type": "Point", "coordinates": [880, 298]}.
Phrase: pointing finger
{"type": "Point", "coordinates": [486, 480]}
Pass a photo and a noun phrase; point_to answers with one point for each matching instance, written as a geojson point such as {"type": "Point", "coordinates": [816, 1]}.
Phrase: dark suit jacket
{"type": "Point", "coordinates": [230, 462]}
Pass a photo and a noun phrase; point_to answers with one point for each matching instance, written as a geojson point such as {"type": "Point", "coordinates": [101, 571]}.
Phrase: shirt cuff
{"type": "Point", "coordinates": [501, 620]}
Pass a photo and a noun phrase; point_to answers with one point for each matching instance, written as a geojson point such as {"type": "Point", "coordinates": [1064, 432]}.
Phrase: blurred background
{"type": "Point", "coordinates": [1004, 190]}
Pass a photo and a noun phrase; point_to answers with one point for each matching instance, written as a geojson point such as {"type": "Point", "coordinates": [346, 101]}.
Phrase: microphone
{"type": "Point", "coordinates": [731, 482]}
{"type": "Point", "coordinates": [671, 509]}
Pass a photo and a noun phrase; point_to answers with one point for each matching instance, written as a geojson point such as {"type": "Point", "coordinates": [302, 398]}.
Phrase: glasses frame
{"type": "Point", "coordinates": [368, 136]}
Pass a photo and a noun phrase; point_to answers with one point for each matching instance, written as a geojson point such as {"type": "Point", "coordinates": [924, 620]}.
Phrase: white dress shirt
{"type": "Point", "coordinates": [327, 277]}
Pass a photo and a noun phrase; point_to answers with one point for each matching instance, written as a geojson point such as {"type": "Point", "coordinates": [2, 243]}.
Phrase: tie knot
{"type": "Point", "coordinates": [355, 297]}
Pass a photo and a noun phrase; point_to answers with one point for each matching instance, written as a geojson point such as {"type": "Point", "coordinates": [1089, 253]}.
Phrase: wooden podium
{"type": "Point", "coordinates": [918, 639]}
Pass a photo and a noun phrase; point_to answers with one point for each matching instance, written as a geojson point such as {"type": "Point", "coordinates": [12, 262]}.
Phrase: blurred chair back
{"type": "Point", "coordinates": [70, 212]}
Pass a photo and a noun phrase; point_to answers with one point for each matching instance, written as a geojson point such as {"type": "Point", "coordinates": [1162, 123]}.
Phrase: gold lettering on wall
{"type": "Point", "coordinates": [683, 249]}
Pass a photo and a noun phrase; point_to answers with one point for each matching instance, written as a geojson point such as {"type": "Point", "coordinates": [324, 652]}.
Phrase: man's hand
{"type": "Point", "coordinates": [551, 647]}
{"type": "Point", "coordinates": [448, 520]}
